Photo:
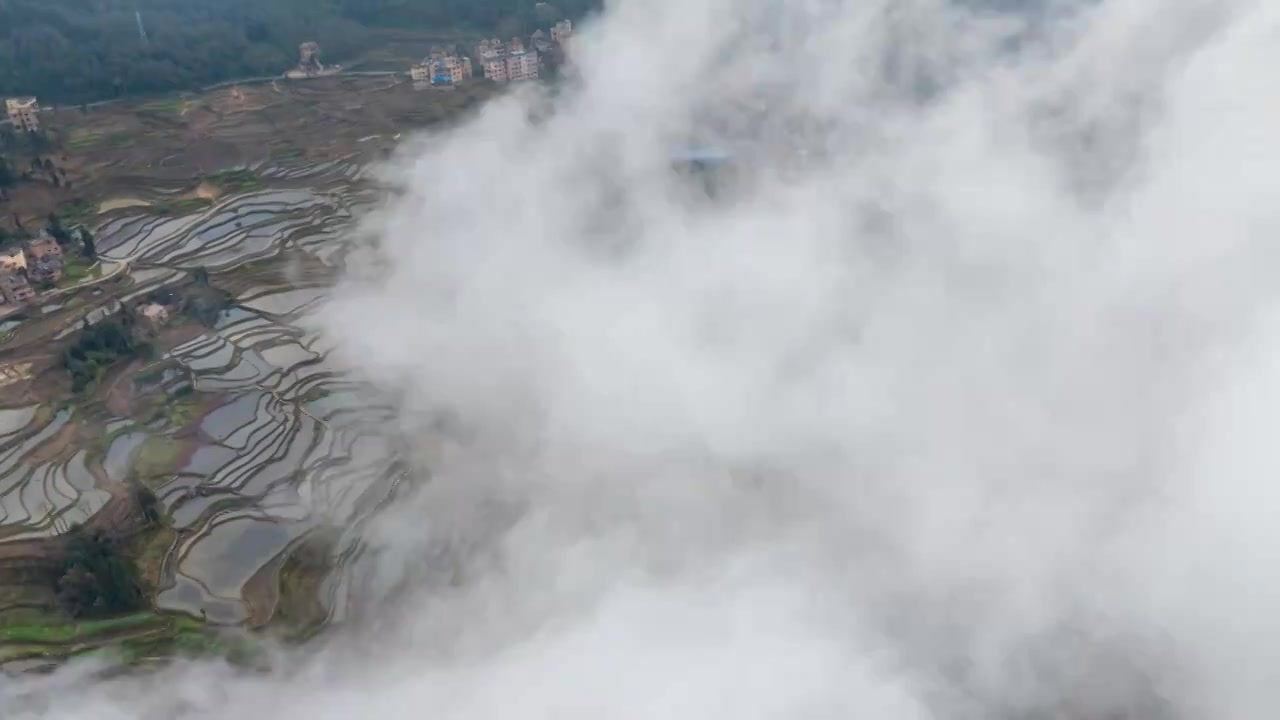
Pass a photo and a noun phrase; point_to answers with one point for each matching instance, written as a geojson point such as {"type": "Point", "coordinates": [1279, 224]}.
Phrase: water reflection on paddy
{"type": "Point", "coordinates": [120, 455]}
{"type": "Point", "coordinates": [275, 438]}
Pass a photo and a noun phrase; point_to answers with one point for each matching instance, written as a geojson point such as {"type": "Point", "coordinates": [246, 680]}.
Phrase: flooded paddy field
{"type": "Point", "coordinates": [252, 439]}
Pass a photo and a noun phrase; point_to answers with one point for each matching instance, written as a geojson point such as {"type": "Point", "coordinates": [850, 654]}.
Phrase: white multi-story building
{"type": "Point", "coordinates": [505, 62]}
{"type": "Point", "coordinates": [24, 113]}
{"type": "Point", "coordinates": [522, 65]}
{"type": "Point", "coordinates": [446, 69]}
{"type": "Point", "coordinates": [496, 69]}
{"type": "Point", "coordinates": [458, 68]}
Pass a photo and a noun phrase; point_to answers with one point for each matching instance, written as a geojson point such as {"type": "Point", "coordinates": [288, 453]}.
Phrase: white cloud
{"type": "Point", "coordinates": [962, 414]}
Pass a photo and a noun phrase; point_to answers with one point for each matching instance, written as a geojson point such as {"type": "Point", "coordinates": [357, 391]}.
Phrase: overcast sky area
{"type": "Point", "coordinates": [956, 401]}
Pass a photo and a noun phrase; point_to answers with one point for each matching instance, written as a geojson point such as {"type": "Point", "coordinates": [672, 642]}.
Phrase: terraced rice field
{"type": "Point", "coordinates": [250, 436]}
{"type": "Point", "coordinates": [245, 227]}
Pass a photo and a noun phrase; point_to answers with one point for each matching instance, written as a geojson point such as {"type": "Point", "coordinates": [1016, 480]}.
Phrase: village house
{"type": "Point", "coordinates": [522, 65]}
{"type": "Point", "coordinates": [506, 62]}
{"type": "Point", "coordinates": [309, 58]}
{"type": "Point", "coordinates": [562, 31]}
{"type": "Point", "coordinates": [24, 113]}
{"type": "Point", "coordinates": [496, 69]}
{"type": "Point", "coordinates": [442, 69]}
{"type": "Point", "coordinates": [458, 68]}
{"type": "Point", "coordinates": [492, 49]}
{"type": "Point", "coordinates": [14, 287]}
{"type": "Point", "coordinates": [44, 259]}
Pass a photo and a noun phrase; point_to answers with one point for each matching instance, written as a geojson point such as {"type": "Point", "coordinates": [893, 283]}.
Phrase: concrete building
{"type": "Point", "coordinates": [24, 113]}
{"type": "Point", "coordinates": [13, 259]}
{"type": "Point", "coordinates": [487, 50]}
{"type": "Point", "coordinates": [562, 31]}
{"type": "Point", "coordinates": [44, 259]}
{"type": "Point", "coordinates": [522, 65]}
{"type": "Point", "coordinates": [14, 287]}
{"type": "Point", "coordinates": [515, 66]}
{"type": "Point", "coordinates": [496, 69]}
{"type": "Point", "coordinates": [447, 70]}
{"type": "Point", "coordinates": [309, 58]}
{"type": "Point", "coordinates": [458, 68]}
{"type": "Point", "coordinates": [505, 62]}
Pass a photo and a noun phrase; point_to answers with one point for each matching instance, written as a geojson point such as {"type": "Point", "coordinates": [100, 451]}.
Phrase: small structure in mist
{"type": "Point", "coordinates": [24, 113]}
{"type": "Point", "coordinates": [706, 167]}
{"type": "Point", "coordinates": [309, 64]}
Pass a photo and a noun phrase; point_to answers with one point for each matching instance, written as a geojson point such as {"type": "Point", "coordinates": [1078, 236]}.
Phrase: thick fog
{"type": "Point", "coordinates": [954, 397]}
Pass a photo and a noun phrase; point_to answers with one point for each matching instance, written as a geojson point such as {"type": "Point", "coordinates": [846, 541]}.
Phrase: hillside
{"type": "Point", "coordinates": [76, 51]}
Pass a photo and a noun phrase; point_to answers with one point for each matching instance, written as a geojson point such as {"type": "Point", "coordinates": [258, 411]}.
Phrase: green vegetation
{"type": "Point", "coordinates": [204, 302]}
{"type": "Point", "coordinates": [128, 638]}
{"type": "Point", "coordinates": [236, 181]}
{"type": "Point", "coordinates": [182, 206]}
{"type": "Point", "coordinates": [97, 578]}
{"type": "Point", "coordinates": [164, 105]}
{"type": "Point", "coordinates": [299, 613]}
{"type": "Point", "coordinates": [77, 211]}
{"type": "Point", "coordinates": [59, 630]}
{"type": "Point", "coordinates": [76, 269]}
{"type": "Point", "coordinates": [7, 175]}
{"type": "Point", "coordinates": [156, 456]}
{"type": "Point", "coordinates": [71, 51]}
{"type": "Point", "coordinates": [101, 346]}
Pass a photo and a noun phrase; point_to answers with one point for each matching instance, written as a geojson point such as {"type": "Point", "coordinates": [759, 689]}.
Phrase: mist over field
{"type": "Point", "coordinates": [955, 400]}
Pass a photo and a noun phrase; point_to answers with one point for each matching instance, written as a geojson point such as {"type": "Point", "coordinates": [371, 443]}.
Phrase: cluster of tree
{"type": "Point", "coordinates": [203, 301]}
{"type": "Point", "coordinates": [7, 175]}
{"type": "Point", "coordinates": [65, 238]}
{"type": "Point", "coordinates": [147, 503]}
{"type": "Point", "coordinates": [101, 345]}
{"type": "Point", "coordinates": [71, 51]}
{"type": "Point", "coordinates": [43, 168]}
{"type": "Point", "coordinates": [97, 578]}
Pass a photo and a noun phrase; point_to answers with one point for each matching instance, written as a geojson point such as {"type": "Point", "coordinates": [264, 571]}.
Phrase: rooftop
{"type": "Point", "coordinates": [13, 259]}
{"type": "Point", "coordinates": [43, 244]}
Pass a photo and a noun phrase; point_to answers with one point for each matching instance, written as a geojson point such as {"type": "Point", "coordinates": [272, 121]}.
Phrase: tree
{"type": "Point", "coordinates": [98, 347]}
{"type": "Point", "coordinates": [58, 232]}
{"type": "Point", "coordinates": [96, 579]}
{"type": "Point", "coordinates": [90, 247]}
{"type": "Point", "coordinates": [76, 51]}
{"type": "Point", "coordinates": [147, 502]}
